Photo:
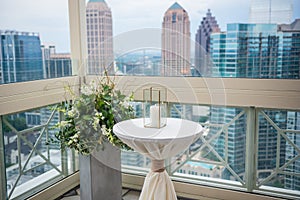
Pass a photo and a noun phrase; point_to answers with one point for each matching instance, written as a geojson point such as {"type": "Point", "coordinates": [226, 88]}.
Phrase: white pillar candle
{"type": "Point", "coordinates": [154, 115]}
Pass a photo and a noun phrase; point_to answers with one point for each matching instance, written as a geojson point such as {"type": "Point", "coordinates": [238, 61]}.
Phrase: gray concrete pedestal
{"type": "Point", "coordinates": [100, 175]}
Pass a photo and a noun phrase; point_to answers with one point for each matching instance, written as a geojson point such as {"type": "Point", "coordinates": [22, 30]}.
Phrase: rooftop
{"type": "Point", "coordinates": [175, 6]}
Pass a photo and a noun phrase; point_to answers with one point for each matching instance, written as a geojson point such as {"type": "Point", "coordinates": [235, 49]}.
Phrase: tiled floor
{"type": "Point", "coordinates": [127, 194]}
{"type": "Point", "coordinates": [130, 194]}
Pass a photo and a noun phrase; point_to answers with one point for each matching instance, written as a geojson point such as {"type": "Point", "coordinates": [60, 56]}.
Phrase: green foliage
{"type": "Point", "coordinates": [90, 117]}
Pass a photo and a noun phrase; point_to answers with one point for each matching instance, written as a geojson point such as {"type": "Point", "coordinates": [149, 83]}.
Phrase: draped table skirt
{"type": "Point", "coordinates": [158, 145]}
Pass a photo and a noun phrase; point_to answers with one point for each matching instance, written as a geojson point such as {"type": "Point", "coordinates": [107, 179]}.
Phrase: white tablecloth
{"type": "Point", "coordinates": [158, 144]}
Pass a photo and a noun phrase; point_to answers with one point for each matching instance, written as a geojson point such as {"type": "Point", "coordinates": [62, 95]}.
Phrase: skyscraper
{"type": "Point", "coordinates": [207, 26]}
{"type": "Point", "coordinates": [290, 68]}
{"type": "Point", "coordinates": [256, 51]}
{"type": "Point", "coordinates": [293, 123]}
{"type": "Point", "coordinates": [176, 42]}
{"type": "Point", "coordinates": [99, 36]}
{"type": "Point", "coordinates": [56, 64]}
{"type": "Point", "coordinates": [21, 57]}
{"type": "Point", "coordinates": [245, 50]}
{"type": "Point", "coordinates": [288, 63]}
{"type": "Point", "coordinates": [271, 11]}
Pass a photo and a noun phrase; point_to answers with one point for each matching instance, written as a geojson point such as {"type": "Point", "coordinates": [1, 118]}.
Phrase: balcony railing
{"type": "Point", "coordinates": [212, 152]}
{"type": "Point", "coordinates": [257, 104]}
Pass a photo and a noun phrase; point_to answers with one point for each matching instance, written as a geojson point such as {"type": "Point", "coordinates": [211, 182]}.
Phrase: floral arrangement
{"type": "Point", "coordinates": [89, 117]}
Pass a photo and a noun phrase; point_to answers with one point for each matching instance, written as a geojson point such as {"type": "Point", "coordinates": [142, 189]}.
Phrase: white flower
{"type": "Point", "coordinates": [73, 139]}
{"type": "Point", "coordinates": [90, 88]}
{"type": "Point", "coordinates": [107, 103]}
{"type": "Point", "coordinates": [95, 123]}
{"type": "Point", "coordinates": [63, 123]}
{"type": "Point", "coordinates": [105, 131]}
{"type": "Point", "coordinates": [98, 114]}
{"type": "Point", "coordinates": [93, 86]}
{"type": "Point", "coordinates": [86, 90]}
{"type": "Point", "coordinates": [72, 112]}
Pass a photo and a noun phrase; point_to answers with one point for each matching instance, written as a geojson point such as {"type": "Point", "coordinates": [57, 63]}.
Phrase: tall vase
{"type": "Point", "coordinates": [100, 174]}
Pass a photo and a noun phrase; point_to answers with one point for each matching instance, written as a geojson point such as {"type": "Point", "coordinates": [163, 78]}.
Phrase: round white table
{"type": "Point", "coordinates": [158, 144]}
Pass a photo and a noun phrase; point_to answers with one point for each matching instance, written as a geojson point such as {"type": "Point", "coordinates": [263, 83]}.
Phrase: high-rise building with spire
{"type": "Point", "coordinates": [207, 26]}
{"type": "Point", "coordinates": [175, 42]}
{"type": "Point", "coordinates": [99, 36]}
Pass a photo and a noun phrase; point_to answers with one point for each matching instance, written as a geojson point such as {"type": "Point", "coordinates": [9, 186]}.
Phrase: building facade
{"type": "Point", "coordinates": [207, 26]}
{"type": "Point", "coordinates": [289, 56]}
{"type": "Point", "coordinates": [255, 51]}
{"type": "Point", "coordinates": [56, 64]}
{"type": "Point", "coordinates": [271, 11]}
{"type": "Point", "coordinates": [176, 42]}
{"type": "Point", "coordinates": [290, 68]}
{"type": "Point", "coordinates": [21, 57]}
{"type": "Point", "coordinates": [293, 123]}
{"type": "Point", "coordinates": [100, 37]}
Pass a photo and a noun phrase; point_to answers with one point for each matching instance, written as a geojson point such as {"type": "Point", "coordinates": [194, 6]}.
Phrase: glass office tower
{"type": "Point", "coordinates": [21, 57]}
{"type": "Point", "coordinates": [255, 51]}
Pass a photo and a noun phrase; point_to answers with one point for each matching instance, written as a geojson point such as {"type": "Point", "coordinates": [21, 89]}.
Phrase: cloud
{"type": "Point", "coordinates": [50, 18]}
{"type": "Point", "coordinates": [132, 14]}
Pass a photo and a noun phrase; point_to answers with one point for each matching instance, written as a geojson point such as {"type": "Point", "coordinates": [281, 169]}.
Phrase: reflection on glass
{"type": "Point", "coordinates": [32, 159]}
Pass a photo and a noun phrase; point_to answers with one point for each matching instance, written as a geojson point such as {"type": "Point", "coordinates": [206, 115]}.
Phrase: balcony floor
{"type": "Point", "coordinates": [127, 194]}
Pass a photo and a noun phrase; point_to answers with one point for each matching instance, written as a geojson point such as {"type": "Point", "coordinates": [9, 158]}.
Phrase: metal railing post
{"type": "Point", "coordinates": [251, 149]}
{"type": "Point", "coordinates": [3, 182]}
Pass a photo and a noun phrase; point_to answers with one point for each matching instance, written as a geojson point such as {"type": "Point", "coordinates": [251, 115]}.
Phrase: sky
{"type": "Point", "coordinates": [50, 18]}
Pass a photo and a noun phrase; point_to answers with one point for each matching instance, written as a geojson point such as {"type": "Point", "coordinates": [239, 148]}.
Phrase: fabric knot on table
{"type": "Point", "coordinates": [157, 165]}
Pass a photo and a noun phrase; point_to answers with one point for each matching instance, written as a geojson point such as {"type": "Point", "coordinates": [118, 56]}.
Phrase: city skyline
{"type": "Point", "coordinates": [242, 50]}
{"type": "Point", "coordinates": [127, 16]}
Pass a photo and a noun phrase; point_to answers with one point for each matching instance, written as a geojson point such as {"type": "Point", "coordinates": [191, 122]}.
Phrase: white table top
{"type": "Point", "coordinates": [158, 144]}
{"type": "Point", "coordinates": [175, 129]}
